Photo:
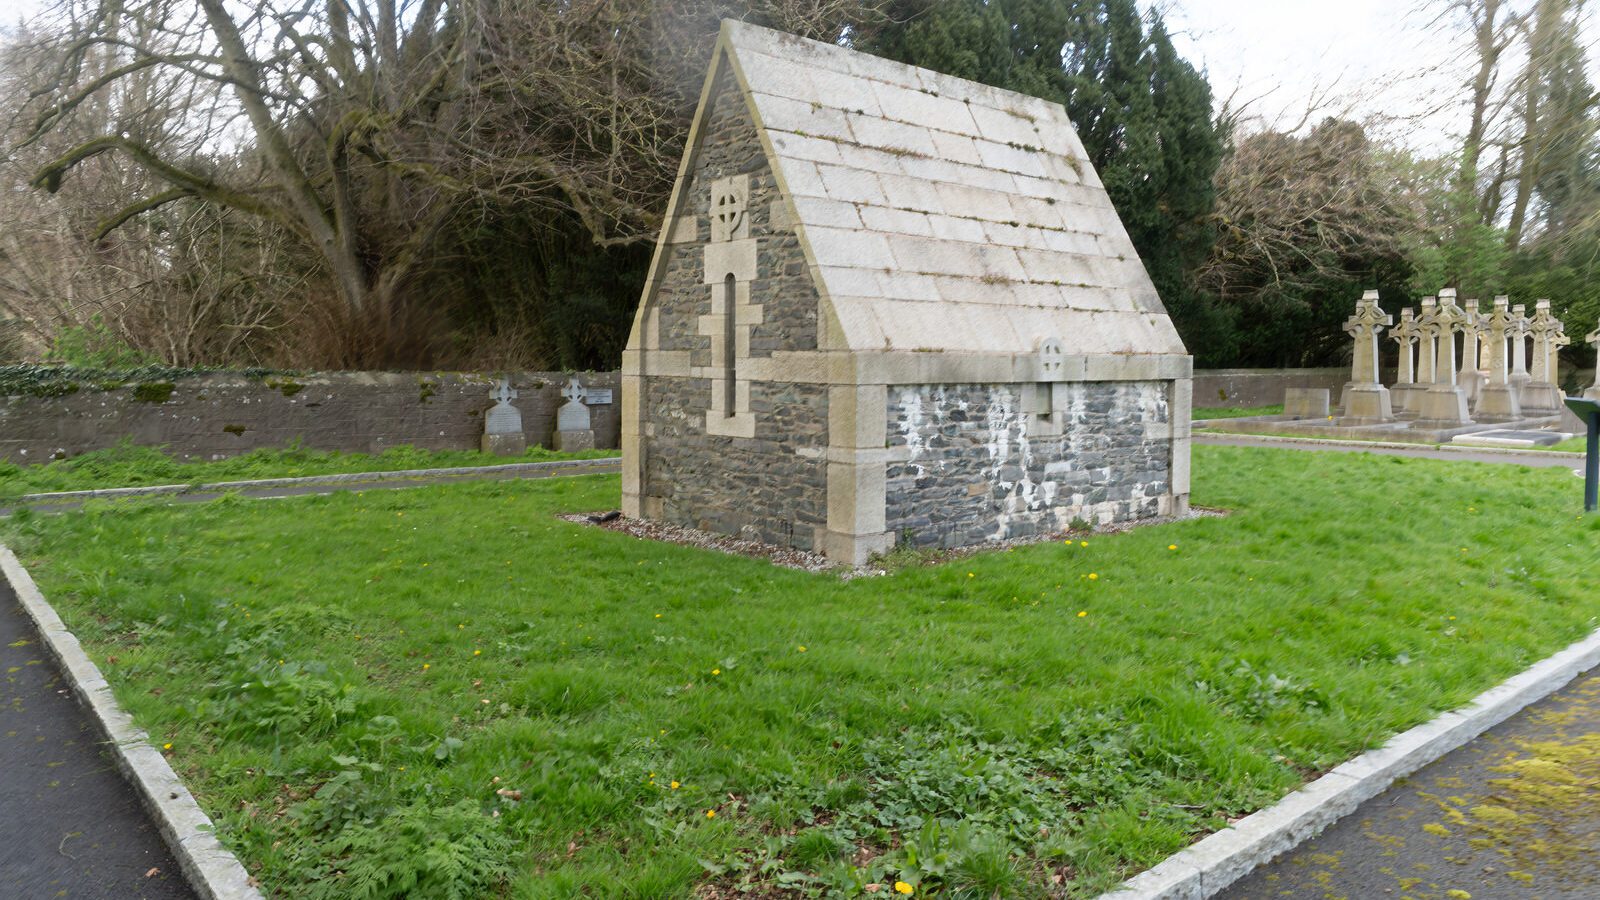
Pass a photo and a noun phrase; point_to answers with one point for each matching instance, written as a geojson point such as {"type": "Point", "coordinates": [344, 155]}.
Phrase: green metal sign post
{"type": "Point", "coordinates": [1589, 412]}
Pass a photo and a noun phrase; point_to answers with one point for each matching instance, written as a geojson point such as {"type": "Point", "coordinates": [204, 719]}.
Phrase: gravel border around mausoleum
{"type": "Point", "coordinates": [805, 560]}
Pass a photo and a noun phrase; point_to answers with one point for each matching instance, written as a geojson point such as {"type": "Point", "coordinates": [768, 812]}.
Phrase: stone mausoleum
{"type": "Point", "coordinates": [892, 306]}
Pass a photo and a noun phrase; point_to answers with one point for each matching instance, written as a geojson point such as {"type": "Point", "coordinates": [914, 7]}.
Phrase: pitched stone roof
{"type": "Point", "coordinates": [943, 214]}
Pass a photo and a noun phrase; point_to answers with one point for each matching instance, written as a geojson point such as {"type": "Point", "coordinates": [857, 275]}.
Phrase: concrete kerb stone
{"type": "Point", "coordinates": [210, 868]}
{"type": "Point", "coordinates": [604, 462]}
{"type": "Point", "coordinates": [1212, 864]}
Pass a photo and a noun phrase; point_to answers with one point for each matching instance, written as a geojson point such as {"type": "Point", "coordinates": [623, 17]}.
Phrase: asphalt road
{"type": "Point", "coordinates": [70, 826]}
{"type": "Point", "coordinates": [1513, 815]}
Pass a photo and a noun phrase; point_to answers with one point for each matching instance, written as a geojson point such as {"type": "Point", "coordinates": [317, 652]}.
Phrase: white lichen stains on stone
{"type": "Point", "coordinates": [1002, 477]}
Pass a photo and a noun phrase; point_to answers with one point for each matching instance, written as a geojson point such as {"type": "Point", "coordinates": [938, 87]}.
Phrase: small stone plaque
{"type": "Point", "coordinates": [597, 396]}
{"type": "Point", "coordinates": [1305, 403]}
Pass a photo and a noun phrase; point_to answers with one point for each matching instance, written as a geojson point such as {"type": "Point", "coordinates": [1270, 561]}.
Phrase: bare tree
{"type": "Point", "coordinates": [366, 128]}
{"type": "Point", "coordinates": [1293, 211]}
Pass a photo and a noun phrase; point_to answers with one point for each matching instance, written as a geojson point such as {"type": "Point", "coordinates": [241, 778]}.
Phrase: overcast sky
{"type": "Point", "coordinates": [1396, 59]}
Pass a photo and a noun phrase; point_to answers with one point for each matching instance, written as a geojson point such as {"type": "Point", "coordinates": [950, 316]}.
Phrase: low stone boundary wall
{"type": "Point", "coordinates": [1261, 387]}
{"type": "Point", "coordinates": [223, 414]}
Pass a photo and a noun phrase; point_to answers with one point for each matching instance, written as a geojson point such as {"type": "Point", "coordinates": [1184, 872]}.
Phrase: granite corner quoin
{"type": "Point", "coordinates": [890, 306]}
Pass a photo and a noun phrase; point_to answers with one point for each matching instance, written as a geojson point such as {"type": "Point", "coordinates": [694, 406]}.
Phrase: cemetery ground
{"type": "Point", "coordinates": [1570, 445]}
{"type": "Point", "coordinates": [449, 691]}
{"type": "Point", "coordinates": [128, 465]}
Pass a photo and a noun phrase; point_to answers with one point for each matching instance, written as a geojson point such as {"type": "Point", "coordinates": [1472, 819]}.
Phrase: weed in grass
{"type": "Point", "coordinates": [477, 697]}
{"type": "Point", "coordinates": [1235, 412]}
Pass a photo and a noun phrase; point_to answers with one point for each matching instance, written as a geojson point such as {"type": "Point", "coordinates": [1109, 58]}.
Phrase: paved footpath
{"type": "Point", "coordinates": [70, 826]}
{"type": "Point", "coordinates": [1513, 815]}
{"type": "Point", "coordinates": [1537, 458]}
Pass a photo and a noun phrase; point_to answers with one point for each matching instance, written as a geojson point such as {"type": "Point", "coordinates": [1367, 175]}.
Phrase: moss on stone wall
{"type": "Point", "coordinates": [153, 391]}
{"type": "Point", "coordinates": [33, 380]}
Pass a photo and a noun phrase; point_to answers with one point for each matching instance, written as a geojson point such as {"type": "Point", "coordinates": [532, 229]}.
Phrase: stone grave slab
{"type": "Point", "coordinates": [1505, 437]}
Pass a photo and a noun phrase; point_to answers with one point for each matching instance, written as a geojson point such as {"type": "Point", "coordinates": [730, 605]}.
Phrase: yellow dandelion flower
{"type": "Point", "coordinates": [658, 615]}
{"type": "Point", "coordinates": [1082, 613]}
{"type": "Point", "coordinates": [716, 671]}
{"type": "Point", "coordinates": [167, 746]}
{"type": "Point", "coordinates": [674, 785]}
{"type": "Point", "coordinates": [1093, 576]}
{"type": "Point", "coordinates": [426, 666]}
{"type": "Point", "coordinates": [1083, 543]}
{"type": "Point", "coordinates": [971, 575]}
{"type": "Point", "coordinates": [477, 653]}
{"type": "Point", "coordinates": [802, 648]}
{"type": "Point", "coordinates": [900, 887]}
{"type": "Point", "coordinates": [711, 814]}
{"type": "Point", "coordinates": [1172, 546]}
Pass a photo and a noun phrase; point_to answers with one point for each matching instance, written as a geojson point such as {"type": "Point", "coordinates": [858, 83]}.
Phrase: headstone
{"type": "Point", "coordinates": [573, 428]}
{"type": "Point", "coordinates": [1498, 400]}
{"type": "Point", "coordinates": [1471, 378]}
{"type": "Point", "coordinates": [1593, 340]}
{"type": "Point", "coordinates": [1366, 400]}
{"type": "Point", "coordinates": [1518, 334]}
{"type": "Point", "coordinates": [1427, 341]}
{"type": "Point", "coordinates": [1540, 396]}
{"type": "Point", "coordinates": [502, 424]}
{"type": "Point", "coordinates": [1305, 403]}
{"type": "Point", "coordinates": [1405, 396]}
{"type": "Point", "coordinates": [1445, 403]}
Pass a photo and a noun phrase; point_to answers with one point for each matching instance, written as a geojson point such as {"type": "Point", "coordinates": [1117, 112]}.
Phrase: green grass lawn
{"type": "Point", "coordinates": [130, 466]}
{"type": "Point", "coordinates": [449, 692]}
{"type": "Point", "coordinates": [1235, 412]}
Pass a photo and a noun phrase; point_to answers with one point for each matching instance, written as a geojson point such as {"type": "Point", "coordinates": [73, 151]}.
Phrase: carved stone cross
{"type": "Point", "coordinates": [1544, 327]}
{"type": "Point", "coordinates": [573, 390]}
{"type": "Point", "coordinates": [1450, 320]}
{"type": "Point", "coordinates": [730, 202]}
{"type": "Point", "coordinates": [1471, 332]}
{"type": "Point", "coordinates": [1499, 323]}
{"type": "Point", "coordinates": [502, 392]}
{"type": "Point", "coordinates": [1593, 339]}
{"type": "Point", "coordinates": [1519, 347]}
{"type": "Point", "coordinates": [1364, 327]}
{"type": "Point", "coordinates": [1405, 334]}
{"type": "Point", "coordinates": [1428, 339]}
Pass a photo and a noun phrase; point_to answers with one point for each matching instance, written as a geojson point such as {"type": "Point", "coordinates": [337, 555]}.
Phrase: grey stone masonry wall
{"type": "Point", "coordinates": [218, 415]}
{"type": "Point", "coordinates": [973, 472]}
{"type": "Point", "coordinates": [782, 287]}
{"type": "Point", "coordinates": [772, 487]}
{"type": "Point", "coordinates": [1221, 388]}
